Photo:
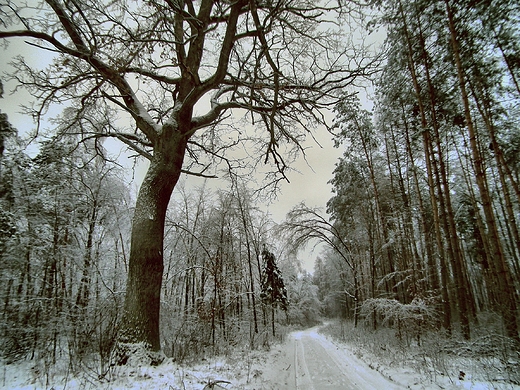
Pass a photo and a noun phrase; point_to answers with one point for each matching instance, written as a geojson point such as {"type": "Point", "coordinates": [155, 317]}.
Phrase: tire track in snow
{"type": "Point", "coordinates": [302, 377]}
{"type": "Point", "coordinates": [319, 364]}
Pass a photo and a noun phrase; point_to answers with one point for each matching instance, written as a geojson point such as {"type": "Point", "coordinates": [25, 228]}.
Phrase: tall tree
{"type": "Point", "coordinates": [507, 295]}
{"type": "Point", "coordinates": [155, 62]}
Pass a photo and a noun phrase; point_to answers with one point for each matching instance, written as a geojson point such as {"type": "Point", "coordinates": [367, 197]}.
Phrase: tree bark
{"type": "Point", "coordinates": [249, 260]}
{"type": "Point", "coordinates": [140, 321]}
{"type": "Point", "coordinates": [445, 200]}
{"type": "Point", "coordinates": [432, 273]}
{"type": "Point", "coordinates": [83, 295]}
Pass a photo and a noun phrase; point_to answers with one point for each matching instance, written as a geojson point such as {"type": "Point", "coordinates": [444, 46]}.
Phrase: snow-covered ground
{"type": "Point", "coordinates": [168, 376]}
{"type": "Point", "coordinates": [307, 360]}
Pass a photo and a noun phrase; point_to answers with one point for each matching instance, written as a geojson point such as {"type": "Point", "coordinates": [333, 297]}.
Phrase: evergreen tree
{"type": "Point", "coordinates": [273, 291]}
{"type": "Point", "coordinates": [273, 288]}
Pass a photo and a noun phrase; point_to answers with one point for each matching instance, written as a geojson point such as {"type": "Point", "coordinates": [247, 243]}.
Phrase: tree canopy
{"type": "Point", "coordinates": [155, 61]}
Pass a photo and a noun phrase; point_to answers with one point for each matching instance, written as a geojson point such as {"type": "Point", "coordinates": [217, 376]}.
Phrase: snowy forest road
{"type": "Point", "coordinates": [309, 361]}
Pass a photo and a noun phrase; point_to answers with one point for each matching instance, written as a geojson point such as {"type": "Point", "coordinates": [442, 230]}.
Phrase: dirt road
{"type": "Point", "coordinates": [309, 361]}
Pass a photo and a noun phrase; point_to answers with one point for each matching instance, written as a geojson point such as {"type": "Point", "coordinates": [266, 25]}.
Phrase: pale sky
{"type": "Point", "coordinates": [310, 186]}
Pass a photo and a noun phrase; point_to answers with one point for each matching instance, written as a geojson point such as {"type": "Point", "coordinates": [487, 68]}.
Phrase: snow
{"type": "Point", "coordinates": [306, 360]}
{"type": "Point", "coordinates": [229, 373]}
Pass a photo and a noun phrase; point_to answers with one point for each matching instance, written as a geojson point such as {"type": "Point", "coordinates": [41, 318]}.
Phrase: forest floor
{"type": "Point", "coordinates": [307, 360]}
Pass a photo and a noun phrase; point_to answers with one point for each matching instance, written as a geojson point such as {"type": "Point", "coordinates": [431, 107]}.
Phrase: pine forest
{"type": "Point", "coordinates": [135, 222]}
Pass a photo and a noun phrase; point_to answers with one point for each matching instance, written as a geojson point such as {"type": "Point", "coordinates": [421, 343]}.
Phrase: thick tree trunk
{"type": "Point", "coordinates": [140, 322]}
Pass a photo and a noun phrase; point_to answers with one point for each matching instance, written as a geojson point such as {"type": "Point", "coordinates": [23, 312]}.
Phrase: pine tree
{"type": "Point", "coordinates": [273, 290]}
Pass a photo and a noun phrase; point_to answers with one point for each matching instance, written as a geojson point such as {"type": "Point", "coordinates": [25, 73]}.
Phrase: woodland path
{"type": "Point", "coordinates": [309, 361]}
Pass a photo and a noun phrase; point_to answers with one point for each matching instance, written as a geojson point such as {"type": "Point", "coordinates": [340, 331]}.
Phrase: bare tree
{"type": "Point", "coordinates": [304, 225]}
{"type": "Point", "coordinates": [162, 63]}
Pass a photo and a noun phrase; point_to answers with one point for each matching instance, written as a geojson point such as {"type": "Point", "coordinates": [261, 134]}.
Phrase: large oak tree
{"type": "Point", "coordinates": [176, 69]}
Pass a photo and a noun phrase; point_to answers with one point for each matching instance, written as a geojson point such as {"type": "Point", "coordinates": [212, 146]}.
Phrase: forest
{"type": "Point", "coordinates": [420, 237]}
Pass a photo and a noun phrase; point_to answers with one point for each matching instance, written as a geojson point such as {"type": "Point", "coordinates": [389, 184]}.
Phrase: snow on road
{"type": "Point", "coordinates": [309, 361]}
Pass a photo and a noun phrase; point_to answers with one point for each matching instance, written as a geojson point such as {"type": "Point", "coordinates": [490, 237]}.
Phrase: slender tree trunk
{"type": "Point", "coordinates": [249, 257]}
{"type": "Point", "coordinates": [479, 234]}
{"type": "Point", "coordinates": [7, 297]}
{"type": "Point", "coordinates": [82, 297]}
{"type": "Point", "coordinates": [356, 292]}
{"type": "Point", "coordinates": [272, 320]}
{"type": "Point", "coordinates": [445, 197]}
{"type": "Point", "coordinates": [484, 108]}
{"type": "Point", "coordinates": [433, 278]}
{"type": "Point", "coordinates": [409, 247]}
{"type": "Point", "coordinates": [509, 65]}
{"type": "Point", "coordinates": [507, 295]}
{"type": "Point", "coordinates": [442, 225]}
{"type": "Point", "coordinates": [379, 215]}
{"type": "Point", "coordinates": [431, 185]}
{"type": "Point", "coordinates": [509, 241]}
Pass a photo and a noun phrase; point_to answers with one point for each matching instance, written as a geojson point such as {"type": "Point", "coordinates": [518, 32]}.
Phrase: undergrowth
{"type": "Point", "coordinates": [197, 361]}
{"type": "Point", "coordinates": [436, 357]}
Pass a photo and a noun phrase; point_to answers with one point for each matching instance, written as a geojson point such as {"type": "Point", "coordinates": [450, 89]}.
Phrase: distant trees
{"type": "Point", "coordinates": [176, 70]}
{"type": "Point", "coordinates": [217, 279]}
{"type": "Point", "coordinates": [64, 231]}
{"type": "Point", "coordinates": [212, 269]}
{"type": "Point", "coordinates": [304, 225]}
{"type": "Point", "coordinates": [426, 196]}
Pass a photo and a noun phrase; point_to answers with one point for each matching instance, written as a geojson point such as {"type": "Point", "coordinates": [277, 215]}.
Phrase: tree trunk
{"type": "Point", "coordinates": [82, 298]}
{"type": "Point", "coordinates": [482, 101]}
{"type": "Point", "coordinates": [445, 200]}
{"type": "Point", "coordinates": [506, 291]}
{"type": "Point", "coordinates": [509, 65]}
{"type": "Point", "coordinates": [479, 235]}
{"type": "Point", "coordinates": [241, 207]}
{"type": "Point", "coordinates": [381, 228]}
{"type": "Point", "coordinates": [410, 251]}
{"type": "Point", "coordinates": [432, 273]}
{"type": "Point", "coordinates": [272, 320]}
{"type": "Point", "coordinates": [429, 168]}
{"type": "Point", "coordinates": [446, 301]}
{"type": "Point", "coordinates": [431, 186]}
{"type": "Point", "coordinates": [140, 322]}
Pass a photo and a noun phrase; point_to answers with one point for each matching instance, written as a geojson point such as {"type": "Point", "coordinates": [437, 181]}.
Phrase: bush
{"type": "Point", "coordinates": [415, 317]}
